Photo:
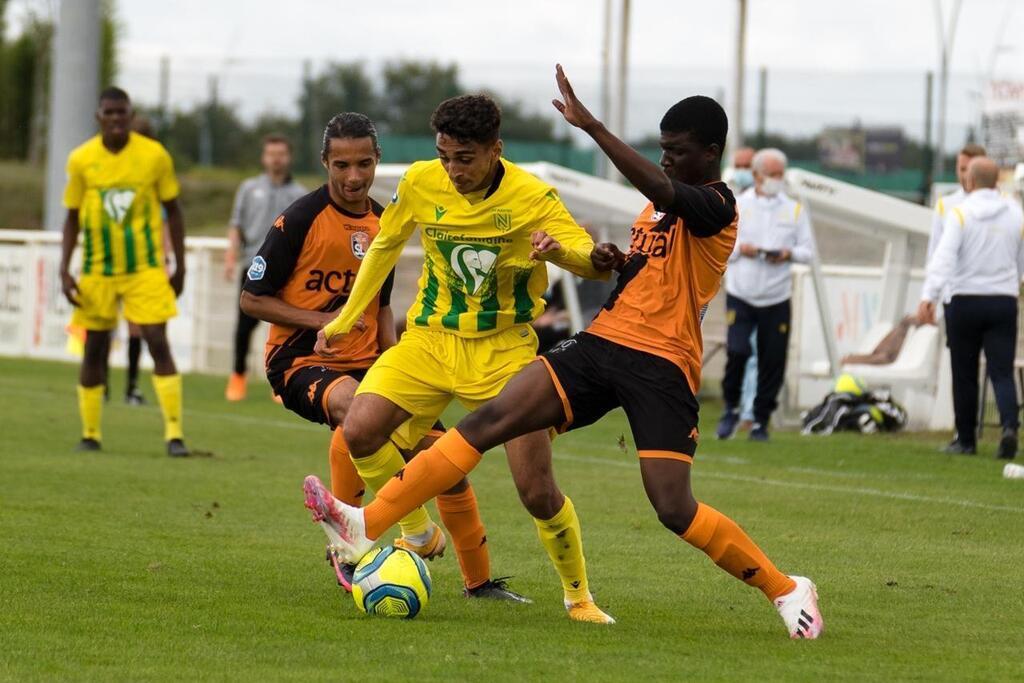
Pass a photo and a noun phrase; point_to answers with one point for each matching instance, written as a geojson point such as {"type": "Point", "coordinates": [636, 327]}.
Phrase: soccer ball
{"type": "Point", "coordinates": [391, 582]}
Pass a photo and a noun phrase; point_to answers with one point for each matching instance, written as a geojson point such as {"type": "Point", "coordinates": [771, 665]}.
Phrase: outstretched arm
{"type": "Point", "coordinates": [704, 210]}
{"type": "Point", "coordinates": [644, 174]}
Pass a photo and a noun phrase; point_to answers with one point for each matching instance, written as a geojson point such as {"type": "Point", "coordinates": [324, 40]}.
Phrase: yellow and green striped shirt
{"type": "Point", "coordinates": [118, 198]}
{"type": "Point", "coordinates": [477, 276]}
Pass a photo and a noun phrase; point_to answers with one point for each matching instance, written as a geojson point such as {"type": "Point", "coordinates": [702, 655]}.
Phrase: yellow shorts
{"type": "Point", "coordinates": [146, 296]}
{"type": "Point", "coordinates": [428, 368]}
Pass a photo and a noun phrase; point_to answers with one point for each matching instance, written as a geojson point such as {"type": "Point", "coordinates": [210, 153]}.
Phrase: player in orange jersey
{"type": "Point", "coordinates": [642, 352]}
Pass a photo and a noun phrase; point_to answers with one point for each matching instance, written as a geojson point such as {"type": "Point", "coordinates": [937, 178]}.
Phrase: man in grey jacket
{"type": "Point", "coordinates": [774, 232]}
{"type": "Point", "coordinates": [978, 262]}
{"type": "Point", "coordinates": [258, 203]}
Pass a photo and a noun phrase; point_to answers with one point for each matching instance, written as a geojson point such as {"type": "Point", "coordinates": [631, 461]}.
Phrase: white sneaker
{"type": "Point", "coordinates": [799, 609]}
{"type": "Point", "coordinates": [342, 523]}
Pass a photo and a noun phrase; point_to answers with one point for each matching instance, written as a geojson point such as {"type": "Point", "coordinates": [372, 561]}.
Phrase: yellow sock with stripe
{"type": "Point", "coordinates": [377, 470]}
{"type": "Point", "coordinates": [90, 407]}
{"type": "Point", "coordinates": [563, 541]}
{"type": "Point", "coordinates": [168, 395]}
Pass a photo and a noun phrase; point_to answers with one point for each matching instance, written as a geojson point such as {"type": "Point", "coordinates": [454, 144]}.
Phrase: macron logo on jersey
{"type": "Point", "coordinates": [258, 269]}
{"type": "Point", "coordinates": [439, 212]}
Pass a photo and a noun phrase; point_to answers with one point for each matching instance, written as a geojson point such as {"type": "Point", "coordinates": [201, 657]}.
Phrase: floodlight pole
{"type": "Point", "coordinates": [622, 85]}
{"type": "Point", "coordinates": [601, 163]}
{"type": "Point", "coordinates": [736, 125]}
{"type": "Point", "coordinates": [945, 52]}
{"type": "Point", "coordinates": [74, 85]}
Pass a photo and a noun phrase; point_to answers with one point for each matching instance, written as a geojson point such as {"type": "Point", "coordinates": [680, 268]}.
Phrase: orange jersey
{"type": "Point", "coordinates": [668, 279]}
{"type": "Point", "coordinates": [309, 259]}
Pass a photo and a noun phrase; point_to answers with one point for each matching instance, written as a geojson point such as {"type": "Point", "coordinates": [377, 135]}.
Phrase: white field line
{"type": "Point", "coordinates": [833, 488]}
{"type": "Point", "coordinates": [852, 490]}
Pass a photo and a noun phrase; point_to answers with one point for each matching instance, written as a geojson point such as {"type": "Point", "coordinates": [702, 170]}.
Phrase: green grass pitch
{"type": "Point", "coordinates": [127, 565]}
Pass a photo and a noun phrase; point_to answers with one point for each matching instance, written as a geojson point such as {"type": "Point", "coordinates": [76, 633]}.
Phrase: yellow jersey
{"type": "Point", "coordinates": [477, 278]}
{"type": "Point", "coordinates": [118, 199]}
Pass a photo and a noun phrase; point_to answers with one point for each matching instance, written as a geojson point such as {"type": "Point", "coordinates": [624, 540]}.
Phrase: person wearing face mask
{"type": "Point", "coordinates": [774, 232]}
{"type": "Point", "coordinates": [739, 177]}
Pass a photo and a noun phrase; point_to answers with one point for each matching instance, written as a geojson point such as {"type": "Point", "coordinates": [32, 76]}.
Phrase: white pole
{"type": "Point", "coordinates": [602, 164]}
{"type": "Point", "coordinates": [945, 53]}
{"type": "Point", "coordinates": [736, 125]}
{"type": "Point", "coordinates": [74, 86]}
{"type": "Point", "coordinates": [623, 83]}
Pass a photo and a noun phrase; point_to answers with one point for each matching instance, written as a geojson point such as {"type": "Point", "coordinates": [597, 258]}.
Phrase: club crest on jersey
{"type": "Point", "coordinates": [360, 243]}
{"type": "Point", "coordinates": [657, 215]}
{"type": "Point", "coordinates": [117, 202]}
{"type": "Point", "coordinates": [473, 264]}
{"type": "Point", "coordinates": [502, 219]}
{"type": "Point", "coordinates": [258, 268]}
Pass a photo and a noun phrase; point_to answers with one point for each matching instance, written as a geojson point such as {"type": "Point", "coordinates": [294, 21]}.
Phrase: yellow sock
{"type": "Point", "coordinates": [563, 541]}
{"type": "Point", "coordinates": [90, 407]}
{"type": "Point", "coordinates": [377, 470]}
{"type": "Point", "coordinates": [168, 395]}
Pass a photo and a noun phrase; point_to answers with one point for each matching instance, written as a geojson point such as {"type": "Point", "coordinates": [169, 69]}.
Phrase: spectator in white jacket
{"type": "Point", "coordinates": [948, 202]}
{"type": "Point", "coordinates": [978, 264]}
{"type": "Point", "coordinates": [774, 232]}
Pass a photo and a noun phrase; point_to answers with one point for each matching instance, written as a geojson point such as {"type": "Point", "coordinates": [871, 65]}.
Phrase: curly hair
{"type": "Point", "coordinates": [349, 125]}
{"type": "Point", "coordinates": [468, 118]}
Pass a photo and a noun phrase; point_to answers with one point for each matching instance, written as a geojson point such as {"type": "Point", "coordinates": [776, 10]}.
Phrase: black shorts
{"type": "Point", "coordinates": [594, 376]}
{"type": "Point", "coordinates": [306, 391]}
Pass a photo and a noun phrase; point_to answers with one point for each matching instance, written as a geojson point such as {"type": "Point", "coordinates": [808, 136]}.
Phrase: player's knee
{"type": "Point", "coordinates": [540, 499]}
{"type": "Point", "coordinates": [362, 439]}
{"type": "Point", "coordinates": [676, 516]}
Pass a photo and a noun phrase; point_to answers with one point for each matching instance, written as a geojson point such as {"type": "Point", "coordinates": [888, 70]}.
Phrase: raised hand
{"type": "Point", "coordinates": [569, 106]}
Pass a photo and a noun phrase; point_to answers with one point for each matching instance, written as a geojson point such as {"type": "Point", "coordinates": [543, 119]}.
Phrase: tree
{"type": "Point", "coordinates": [411, 92]}
{"type": "Point", "coordinates": [516, 124]}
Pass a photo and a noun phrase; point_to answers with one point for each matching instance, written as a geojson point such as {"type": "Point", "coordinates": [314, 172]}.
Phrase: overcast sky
{"type": "Point", "coordinates": [829, 61]}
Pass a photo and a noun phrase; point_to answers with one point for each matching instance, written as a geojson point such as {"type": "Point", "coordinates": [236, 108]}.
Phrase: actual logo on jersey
{"type": "Point", "coordinates": [502, 219]}
{"type": "Point", "coordinates": [473, 264]}
{"type": "Point", "coordinates": [360, 244]}
{"type": "Point", "coordinates": [257, 269]}
{"type": "Point", "coordinates": [117, 202]}
{"type": "Point", "coordinates": [439, 212]}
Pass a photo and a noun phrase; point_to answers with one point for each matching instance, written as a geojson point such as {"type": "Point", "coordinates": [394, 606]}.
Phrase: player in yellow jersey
{"type": "Point", "coordinates": [117, 182]}
{"type": "Point", "coordinates": [486, 226]}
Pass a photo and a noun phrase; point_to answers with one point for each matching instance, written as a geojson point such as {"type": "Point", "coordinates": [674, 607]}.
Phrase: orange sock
{"type": "Point", "coordinates": [346, 484]}
{"type": "Point", "coordinates": [431, 472]}
{"type": "Point", "coordinates": [732, 550]}
{"type": "Point", "coordinates": [461, 517]}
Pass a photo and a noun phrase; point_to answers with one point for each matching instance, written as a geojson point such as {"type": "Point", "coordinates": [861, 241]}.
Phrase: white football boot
{"type": "Point", "coordinates": [799, 609]}
{"type": "Point", "coordinates": [342, 523]}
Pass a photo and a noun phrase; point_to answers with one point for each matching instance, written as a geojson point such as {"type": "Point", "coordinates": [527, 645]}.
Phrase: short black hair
{"type": "Point", "coordinates": [349, 124]}
{"type": "Point", "coordinates": [700, 116]}
{"type": "Point", "coordinates": [115, 94]}
{"type": "Point", "coordinates": [468, 118]}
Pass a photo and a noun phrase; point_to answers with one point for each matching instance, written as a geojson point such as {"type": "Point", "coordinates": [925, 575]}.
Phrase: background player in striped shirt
{"type": "Point", "coordinates": [642, 352]}
{"type": "Point", "coordinates": [117, 182]}
{"type": "Point", "coordinates": [484, 223]}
